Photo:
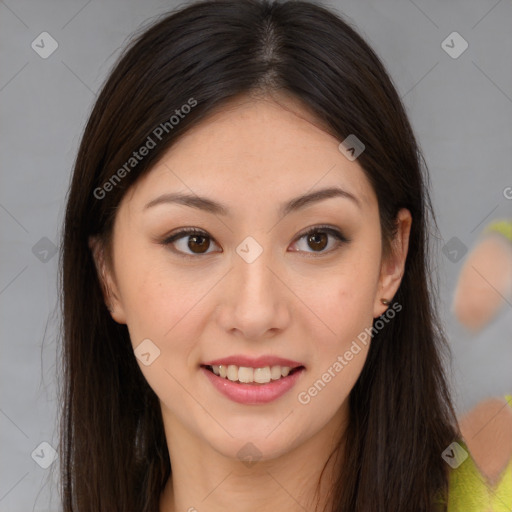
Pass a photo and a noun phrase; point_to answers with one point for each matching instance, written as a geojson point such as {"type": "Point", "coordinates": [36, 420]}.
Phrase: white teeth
{"type": "Point", "coordinates": [245, 374]}
{"type": "Point", "coordinates": [249, 375]}
{"type": "Point", "coordinates": [275, 372]}
{"type": "Point", "coordinates": [262, 375]}
{"type": "Point", "coordinates": [232, 372]}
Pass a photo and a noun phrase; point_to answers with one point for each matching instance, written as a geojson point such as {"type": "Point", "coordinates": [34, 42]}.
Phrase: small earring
{"type": "Point", "coordinates": [386, 302]}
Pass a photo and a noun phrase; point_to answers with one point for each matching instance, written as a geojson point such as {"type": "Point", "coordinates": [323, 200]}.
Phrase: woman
{"type": "Point", "coordinates": [249, 320]}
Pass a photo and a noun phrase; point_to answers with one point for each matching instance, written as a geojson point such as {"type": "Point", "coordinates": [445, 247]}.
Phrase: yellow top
{"type": "Point", "coordinates": [504, 227]}
{"type": "Point", "coordinates": [469, 491]}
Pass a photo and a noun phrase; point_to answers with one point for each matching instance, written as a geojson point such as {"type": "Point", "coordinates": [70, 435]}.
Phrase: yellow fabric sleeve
{"type": "Point", "coordinates": [503, 227]}
{"type": "Point", "coordinates": [469, 491]}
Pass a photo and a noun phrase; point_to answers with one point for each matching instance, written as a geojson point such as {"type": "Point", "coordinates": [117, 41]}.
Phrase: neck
{"type": "Point", "coordinates": [204, 480]}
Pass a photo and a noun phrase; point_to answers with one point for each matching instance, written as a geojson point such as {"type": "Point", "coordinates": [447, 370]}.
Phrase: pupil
{"type": "Point", "coordinates": [314, 236]}
{"type": "Point", "coordinates": [194, 239]}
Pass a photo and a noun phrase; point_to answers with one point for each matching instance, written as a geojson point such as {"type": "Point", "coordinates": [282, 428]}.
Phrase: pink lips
{"type": "Point", "coordinates": [251, 394]}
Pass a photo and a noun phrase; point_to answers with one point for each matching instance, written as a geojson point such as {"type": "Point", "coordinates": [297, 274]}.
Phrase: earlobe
{"type": "Point", "coordinates": [109, 290]}
{"type": "Point", "coordinates": [392, 268]}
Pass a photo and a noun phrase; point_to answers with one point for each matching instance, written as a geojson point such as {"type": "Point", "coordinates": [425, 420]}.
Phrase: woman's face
{"type": "Point", "coordinates": [250, 285]}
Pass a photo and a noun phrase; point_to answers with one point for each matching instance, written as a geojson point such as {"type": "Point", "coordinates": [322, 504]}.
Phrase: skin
{"type": "Point", "coordinates": [487, 431]}
{"type": "Point", "coordinates": [485, 283]}
{"type": "Point", "coordinates": [294, 301]}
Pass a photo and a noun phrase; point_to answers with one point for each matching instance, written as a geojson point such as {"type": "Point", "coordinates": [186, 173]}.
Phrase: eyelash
{"type": "Point", "coordinates": [341, 239]}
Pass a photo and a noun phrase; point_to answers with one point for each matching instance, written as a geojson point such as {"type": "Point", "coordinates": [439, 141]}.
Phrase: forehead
{"type": "Point", "coordinates": [259, 150]}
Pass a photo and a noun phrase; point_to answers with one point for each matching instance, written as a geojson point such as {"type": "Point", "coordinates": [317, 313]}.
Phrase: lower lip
{"type": "Point", "coordinates": [253, 393]}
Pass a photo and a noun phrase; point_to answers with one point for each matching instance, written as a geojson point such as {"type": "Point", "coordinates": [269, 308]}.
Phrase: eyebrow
{"type": "Point", "coordinates": [211, 206]}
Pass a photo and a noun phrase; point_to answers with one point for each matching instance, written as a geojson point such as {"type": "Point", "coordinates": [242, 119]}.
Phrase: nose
{"type": "Point", "coordinates": [254, 298]}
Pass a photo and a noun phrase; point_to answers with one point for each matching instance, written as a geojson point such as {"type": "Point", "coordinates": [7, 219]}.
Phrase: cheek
{"type": "Point", "coordinates": [164, 307]}
{"type": "Point", "coordinates": [155, 296]}
{"type": "Point", "coordinates": [340, 349]}
{"type": "Point", "coordinates": [344, 307]}
{"type": "Point", "coordinates": [345, 300]}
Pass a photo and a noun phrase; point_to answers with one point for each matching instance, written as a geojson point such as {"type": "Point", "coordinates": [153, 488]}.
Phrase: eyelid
{"type": "Point", "coordinates": [335, 232]}
{"type": "Point", "coordinates": [183, 233]}
{"type": "Point", "coordinates": [323, 228]}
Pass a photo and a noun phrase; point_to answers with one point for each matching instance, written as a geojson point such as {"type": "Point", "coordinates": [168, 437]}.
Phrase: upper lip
{"type": "Point", "coordinates": [254, 362]}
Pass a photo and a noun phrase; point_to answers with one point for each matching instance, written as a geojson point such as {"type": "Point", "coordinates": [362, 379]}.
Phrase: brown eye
{"type": "Point", "coordinates": [191, 242]}
{"type": "Point", "coordinates": [317, 239]}
{"type": "Point", "coordinates": [198, 242]}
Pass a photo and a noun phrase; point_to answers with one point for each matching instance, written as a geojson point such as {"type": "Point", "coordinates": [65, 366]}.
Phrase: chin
{"type": "Point", "coordinates": [255, 440]}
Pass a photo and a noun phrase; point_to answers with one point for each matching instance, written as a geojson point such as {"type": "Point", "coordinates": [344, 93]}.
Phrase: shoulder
{"type": "Point", "coordinates": [487, 432]}
{"type": "Point", "coordinates": [482, 478]}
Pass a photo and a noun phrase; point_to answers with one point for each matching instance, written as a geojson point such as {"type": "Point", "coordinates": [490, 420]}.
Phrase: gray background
{"type": "Point", "coordinates": [461, 110]}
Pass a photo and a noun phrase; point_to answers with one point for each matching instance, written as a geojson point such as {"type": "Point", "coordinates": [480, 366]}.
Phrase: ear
{"type": "Point", "coordinates": [107, 281]}
{"type": "Point", "coordinates": [392, 268]}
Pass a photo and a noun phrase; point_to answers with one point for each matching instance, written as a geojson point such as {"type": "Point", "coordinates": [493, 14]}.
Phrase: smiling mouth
{"type": "Point", "coordinates": [253, 376]}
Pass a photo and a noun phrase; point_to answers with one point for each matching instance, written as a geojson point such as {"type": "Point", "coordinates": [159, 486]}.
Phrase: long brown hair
{"type": "Point", "coordinates": [113, 448]}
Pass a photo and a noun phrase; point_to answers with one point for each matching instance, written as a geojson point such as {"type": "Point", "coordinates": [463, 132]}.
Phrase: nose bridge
{"type": "Point", "coordinates": [253, 302]}
{"type": "Point", "coordinates": [255, 279]}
